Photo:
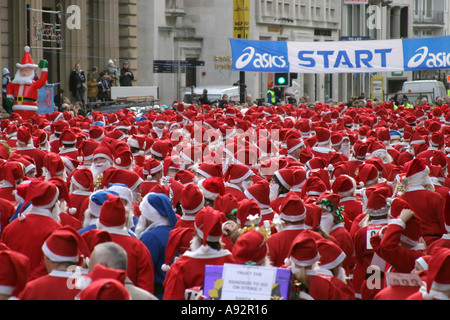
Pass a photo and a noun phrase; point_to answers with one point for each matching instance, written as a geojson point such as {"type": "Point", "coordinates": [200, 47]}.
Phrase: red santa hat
{"type": "Point", "coordinates": [179, 242]}
{"type": "Point", "coordinates": [293, 144]}
{"type": "Point", "coordinates": [333, 198]}
{"type": "Point", "coordinates": [68, 136]}
{"type": "Point", "coordinates": [417, 173]}
{"type": "Point", "coordinates": [14, 272]}
{"type": "Point", "coordinates": [314, 186]}
{"type": "Point", "coordinates": [161, 148]}
{"type": "Point", "coordinates": [105, 289]}
{"type": "Point", "coordinates": [86, 150]}
{"type": "Point", "coordinates": [437, 278]}
{"type": "Point", "coordinates": [123, 158]}
{"type": "Point", "coordinates": [12, 172]}
{"type": "Point", "coordinates": [285, 177]}
{"type": "Point", "coordinates": [102, 272]}
{"type": "Point", "coordinates": [139, 143]}
{"type": "Point", "coordinates": [260, 193]}
{"type": "Point", "coordinates": [303, 251]}
{"type": "Point", "coordinates": [226, 203]}
{"type": "Point", "coordinates": [208, 225]}
{"type": "Point", "coordinates": [331, 255]}
{"type": "Point", "coordinates": [360, 150]}
{"type": "Point", "coordinates": [209, 170]}
{"type": "Point", "coordinates": [323, 135]}
{"type": "Point", "coordinates": [65, 245]}
{"type": "Point", "coordinates": [171, 163]}
{"type": "Point", "coordinates": [384, 134]}
{"type": "Point", "coordinates": [54, 164]}
{"type": "Point", "coordinates": [250, 247]}
{"type": "Point", "coordinates": [94, 237]}
{"type": "Point", "coordinates": [27, 60]}
{"type": "Point", "coordinates": [292, 208]}
{"type": "Point", "coordinates": [192, 199]}
{"type": "Point", "coordinates": [248, 210]}
{"type": "Point", "coordinates": [42, 194]}
{"type": "Point", "coordinates": [185, 177]}
{"type": "Point", "coordinates": [113, 213]}
{"type": "Point", "coordinates": [343, 184]}
{"type": "Point", "coordinates": [96, 133]}
{"type": "Point", "coordinates": [378, 201]}
{"type": "Point", "coordinates": [152, 166]}
{"type": "Point", "coordinates": [212, 187]}
{"type": "Point", "coordinates": [83, 179]}
{"type": "Point", "coordinates": [123, 176]}
{"type": "Point", "coordinates": [24, 135]}
{"type": "Point", "coordinates": [236, 173]}
{"type": "Point", "coordinates": [104, 150]}
{"type": "Point", "coordinates": [367, 174]}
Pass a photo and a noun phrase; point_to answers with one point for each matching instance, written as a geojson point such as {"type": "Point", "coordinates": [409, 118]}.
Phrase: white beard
{"type": "Point", "coordinates": [159, 132]}
{"type": "Point", "coordinates": [98, 170]}
{"type": "Point", "coordinates": [23, 80]}
{"type": "Point", "coordinates": [327, 222]}
{"type": "Point", "coordinates": [345, 149]}
{"type": "Point", "coordinates": [56, 211]}
{"type": "Point", "coordinates": [341, 275]}
{"type": "Point", "coordinates": [196, 243]}
{"type": "Point", "coordinates": [274, 191]}
{"type": "Point", "coordinates": [141, 226]}
{"type": "Point", "coordinates": [88, 219]}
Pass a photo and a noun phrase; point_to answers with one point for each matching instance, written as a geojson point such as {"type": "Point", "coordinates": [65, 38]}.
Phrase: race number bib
{"type": "Point", "coordinates": [372, 229]}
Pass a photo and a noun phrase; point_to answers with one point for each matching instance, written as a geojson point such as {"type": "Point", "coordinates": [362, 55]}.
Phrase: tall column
{"type": "Point", "coordinates": [104, 32]}
{"type": "Point", "coordinates": [75, 44]}
{"type": "Point", "coordinates": [128, 31]}
{"type": "Point", "coordinates": [395, 19]}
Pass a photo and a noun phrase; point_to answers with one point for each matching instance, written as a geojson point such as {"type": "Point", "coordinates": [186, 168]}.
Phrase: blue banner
{"type": "Point", "coordinates": [367, 56]}
{"type": "Point", "coordinates": [427, 53]}
{"type": "Point", "coordinates": [260, 56]}
{"type": "Point", "coordinates": [46, 100]}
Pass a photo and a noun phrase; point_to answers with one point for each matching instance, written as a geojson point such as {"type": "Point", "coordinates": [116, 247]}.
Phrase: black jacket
{"type": "Point", "coordinates": [126, 80]}
{"type": "Point", "coordinates": [76, 81]}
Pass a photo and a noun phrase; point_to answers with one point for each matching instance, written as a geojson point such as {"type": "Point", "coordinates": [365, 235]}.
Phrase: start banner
{"type": "Point", "coordinates": [367, 56]}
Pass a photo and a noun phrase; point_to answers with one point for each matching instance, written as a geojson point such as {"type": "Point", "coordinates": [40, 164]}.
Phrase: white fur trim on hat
{"type": "Point", "coordinates": [57, 258]}
{"type": "Point", "coordinates": [334, 263]}
{"type": "Point", "coordinates": [210, 238]}
{"type": "Point", "coordinates": [297, 218]}
{"type": "Point", "coordinates": [195, 210]}
{"type": "Point", "coordinates": [239, 180]}
{"type": "Point", "coordinates": [305, 263]}
{"type": "Point", "coordinates": [282, 181]}
{"type": "Point", "coordinates": [6, 290]}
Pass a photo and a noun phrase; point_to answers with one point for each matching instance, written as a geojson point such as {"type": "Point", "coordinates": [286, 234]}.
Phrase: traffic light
{"type": "Point", "coordinates": [281, 80]}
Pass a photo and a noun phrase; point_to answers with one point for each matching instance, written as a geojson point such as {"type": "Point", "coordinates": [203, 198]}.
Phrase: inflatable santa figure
{"type": "Point", "coordinates": [22, 92]}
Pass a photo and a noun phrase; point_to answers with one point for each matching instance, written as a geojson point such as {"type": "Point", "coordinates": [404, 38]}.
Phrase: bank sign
{"type": "Point", "coordinates": [368, 56]}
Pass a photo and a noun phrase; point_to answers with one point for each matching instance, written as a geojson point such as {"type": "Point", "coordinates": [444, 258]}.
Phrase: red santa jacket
{"type": "Point", "coordinates": [352, 207]}
{"type": "Point", "coordinates": [27, 92]}
{"type": "Point", "coordinates": [428, 207]}
{"type": "Point", "coordinates": [280, 242]}
{"type": "Point", "coordinates": [51, 287]}
{"type": "Point", "coordinates": [27, 237]}
{"type": "Point", "coordinates": [189, 271]}
{"type": "Point", "coordinates": [140, 264]}
{"type": "Point", "coordinates": [400, 258]}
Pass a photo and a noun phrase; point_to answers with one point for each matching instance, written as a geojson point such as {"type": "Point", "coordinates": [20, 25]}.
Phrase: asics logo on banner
{"type": "Point", "coordinates": [438, 60]}
{"type": "Point", "coordinates": [260, 61]}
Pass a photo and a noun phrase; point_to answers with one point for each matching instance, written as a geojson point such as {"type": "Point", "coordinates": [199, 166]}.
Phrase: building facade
{"type": "Point", "coordinates": [177, 45]}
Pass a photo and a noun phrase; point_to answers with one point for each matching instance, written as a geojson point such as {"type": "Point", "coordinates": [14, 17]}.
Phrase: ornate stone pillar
{"type": "Point", "coordinates": [104, 32]}
{"type": "Point", "coordinates": [75, 45]}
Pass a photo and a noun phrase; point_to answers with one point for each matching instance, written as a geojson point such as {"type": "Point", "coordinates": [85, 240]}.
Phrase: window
{"type": "Point", "coordinates": [323, 32]}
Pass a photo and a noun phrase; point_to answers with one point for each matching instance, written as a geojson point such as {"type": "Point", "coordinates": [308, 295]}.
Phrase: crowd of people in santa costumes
{"type": "Point", "coordinates": [137, 206]}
